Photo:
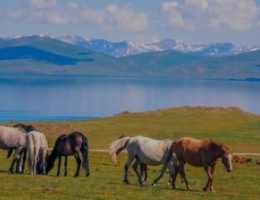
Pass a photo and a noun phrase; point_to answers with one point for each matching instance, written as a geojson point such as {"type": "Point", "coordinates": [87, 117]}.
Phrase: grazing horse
{"type": "Point", "coordinates": [144, 150]}
{"type": "Point", "coordinates": [37, 147]}
{"type": "Point", "coordinates": [201, 153]}
{"type": "Point", "coordinates": [67, 145]}
{"type": "Point", "coordinates": [13, 138]}
{"type": "Point", "coordinates": [27, 128]}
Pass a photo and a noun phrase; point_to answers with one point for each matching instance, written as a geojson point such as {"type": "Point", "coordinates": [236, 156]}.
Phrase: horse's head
{"type": "Point", "coordinates": [49, 163]}
{"type": "Point", "coordinates": [226, 158]}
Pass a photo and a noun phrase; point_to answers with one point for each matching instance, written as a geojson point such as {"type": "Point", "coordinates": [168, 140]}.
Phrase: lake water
{"type": "Point", "coordinates": [46, 98]}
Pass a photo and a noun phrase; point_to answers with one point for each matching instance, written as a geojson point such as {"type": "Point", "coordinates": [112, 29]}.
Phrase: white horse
{"type": "Point", "coordinates": [13, 138]}
{"type": "Point", "coordinates": [37, 147]}
{"type": "Point", "coordinates": [144, 150]}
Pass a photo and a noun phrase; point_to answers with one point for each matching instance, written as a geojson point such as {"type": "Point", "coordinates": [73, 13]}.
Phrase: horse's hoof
{"type": "Point", "coordinates": [87, 175]}
{"type": "Point", "coordinates": [174, 187]}
{"type": "Point", "coordinates": [205, 189]}
{"type": "Point", "coordinates": [127, 182]}
{"type": "Point", "coordinates": [213, 191]}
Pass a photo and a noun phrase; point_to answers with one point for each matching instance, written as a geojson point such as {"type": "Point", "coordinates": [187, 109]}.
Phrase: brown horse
{"type": "Point", "coordinates": [199, 153]}
{"type": "Point", "coordinates": [242, 160]}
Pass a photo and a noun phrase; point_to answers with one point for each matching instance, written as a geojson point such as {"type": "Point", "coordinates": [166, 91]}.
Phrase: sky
{"type": "Point", "coordinates": [190, 21]}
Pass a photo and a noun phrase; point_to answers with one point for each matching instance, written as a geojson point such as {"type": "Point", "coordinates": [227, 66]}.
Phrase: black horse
{"type": "Point", "coordinates": [67, 145]}
{"type": "Point", "coordinates": [27, 129]}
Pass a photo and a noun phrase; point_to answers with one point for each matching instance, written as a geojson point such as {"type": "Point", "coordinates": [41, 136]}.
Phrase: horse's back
{"type": "Point", "coordinates": [39, 139]}
{"type": "Point", "coordinates": [150, 151]}
{"type": "Point", "coordinates": [11, 137]}
{"type": "Point", "coordinates": [191, 150]}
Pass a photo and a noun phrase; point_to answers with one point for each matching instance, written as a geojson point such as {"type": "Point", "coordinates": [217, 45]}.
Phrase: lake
{"type": "Point", "coordinates": [48, 98]}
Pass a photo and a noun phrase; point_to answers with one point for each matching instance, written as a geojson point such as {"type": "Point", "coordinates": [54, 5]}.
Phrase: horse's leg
{"type": "Point", "coordinates": [65, 165]}
{"type": "Point", "coordinates": [143, 170]}
{"type": "Point", "coordinates": [135, 168]}
{"type": "Point", "coordinates": [212, 169]}
{"type": "Point", "coordinates": [206, 168]}
{"type": "Point", "coordinates": [20, 165]}
{"type": "Point", "coordinates": [183, 175]}
{"type": "Point", "coordinates": [164, 168]}
{"type": "Point", "coordinates": [16, 158]}
{"type": "Point", "coordinates": [76, 155]}
{"type": "Point", "coordinates": [85, 165]}
{"type": "Point", "coordinates": [59, 162]}
{"type": "Point", "coordinates": [24, 160]}
{"type": "Point", "coordinates": [43, 162]}
{"type": "Point", "coordinates": [127, 165]}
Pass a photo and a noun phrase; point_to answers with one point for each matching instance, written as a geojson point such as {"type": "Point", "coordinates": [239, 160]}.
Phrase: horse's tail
{"type": "Point", "coordinates": [171, 154]}
{"type": "Point", "coordinates": [117, 146]}
{"type": "Point", "coordinates": [10, 151]}
{"type": "Point", "coordinates": [84, 151]}
{"type": "Point", "coordinates": [30, 147]}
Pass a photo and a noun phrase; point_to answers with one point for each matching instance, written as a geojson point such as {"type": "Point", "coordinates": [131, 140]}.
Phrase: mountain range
{"type": "Point", "coordinates": [126, 48]}
{"type": "Point", "coordinates": [73, 55]}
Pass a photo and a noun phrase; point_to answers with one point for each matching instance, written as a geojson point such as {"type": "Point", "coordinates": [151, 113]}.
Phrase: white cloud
{"type": "Point", "coordinates": [124, 18]}
{"type": "Point", "coordinates": [173, 14]}
{"type": "Point", "coordinates": [236, 14]}
{"type": "Point", "coordinates": [218, 14]}
{"type": "Point", "coordinates": [202, 4]}
{"type": "Point", "coordinates": [112, 16]}
{"type": "Point", "coordinates": [43, 3]}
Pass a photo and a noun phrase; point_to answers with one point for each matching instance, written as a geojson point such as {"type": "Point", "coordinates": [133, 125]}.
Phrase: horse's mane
{"type": "Point", "coordinates": [216, 145]}
{"type": "Point", "coordinates": [25, 127]}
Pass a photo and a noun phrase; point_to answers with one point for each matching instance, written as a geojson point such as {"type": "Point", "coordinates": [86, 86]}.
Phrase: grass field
{"type": "Point", "coordinates": [230, 126]}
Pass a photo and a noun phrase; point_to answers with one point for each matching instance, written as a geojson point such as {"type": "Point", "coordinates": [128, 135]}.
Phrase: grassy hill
{"type": "Point", "coordinates": [37, 54]}
{"type": "Point", "coordinates": [231, 126]}
{"type": "Point", "coordinates": [181, 65]}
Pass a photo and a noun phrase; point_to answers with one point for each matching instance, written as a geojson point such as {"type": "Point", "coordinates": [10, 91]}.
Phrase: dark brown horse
{"type": "Point", "coordinates": [199, 153]}
{"type": "Point", "coordinates": [67, 145]}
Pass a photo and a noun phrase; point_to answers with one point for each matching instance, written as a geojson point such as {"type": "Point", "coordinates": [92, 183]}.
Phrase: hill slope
{"type": "Point", "coordinates": [37, 54]}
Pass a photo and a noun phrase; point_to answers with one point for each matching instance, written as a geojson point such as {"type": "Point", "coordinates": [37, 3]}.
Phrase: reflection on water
{"type": "Point", "coordinates": [72, 97]}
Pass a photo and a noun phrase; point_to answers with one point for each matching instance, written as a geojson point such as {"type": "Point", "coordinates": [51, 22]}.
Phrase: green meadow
{"type": "Point", "coordinates": [230, 126]}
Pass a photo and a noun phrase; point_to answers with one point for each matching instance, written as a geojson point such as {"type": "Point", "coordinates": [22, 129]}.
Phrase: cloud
{"type": "Point", "coordinates": [236, 14]}
{"type": "Point", "coordinates": [124, 18]}
{"type": "Point", "coordinates": [173, 14]}
{"type": "Point", "coordinates": [202, 4]}
{"type": "Point", "coordinates": [112, 16]}
{"type": "Point", "coordinates": [43, 3]}
{"type": "Point", "coordinates": [216, 14]}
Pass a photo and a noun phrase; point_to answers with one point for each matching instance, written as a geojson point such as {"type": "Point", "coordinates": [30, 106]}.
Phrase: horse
{"type": "Point", "coordinates": [67, 145]}
{"type": "Point", "coordinates": [242, 160]}
{"type": "Point", "coordinates": [199, 153]}
{"type": "Point", "coordinates": [236, 159]}
{"type": "Point", "coordinates": [257, 161]}
{"type": "Point", "coordinates": [144, 150]}
{"type": "Point", "coordinates": [14, 138]}
{"type": "Point", "coordinates": [37, 147]}
{"type": "Point", "coordinates": [27, 128]}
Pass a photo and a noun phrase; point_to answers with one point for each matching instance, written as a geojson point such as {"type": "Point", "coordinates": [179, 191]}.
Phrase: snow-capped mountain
{"type": "Point", "coordinates": [125, 48]}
